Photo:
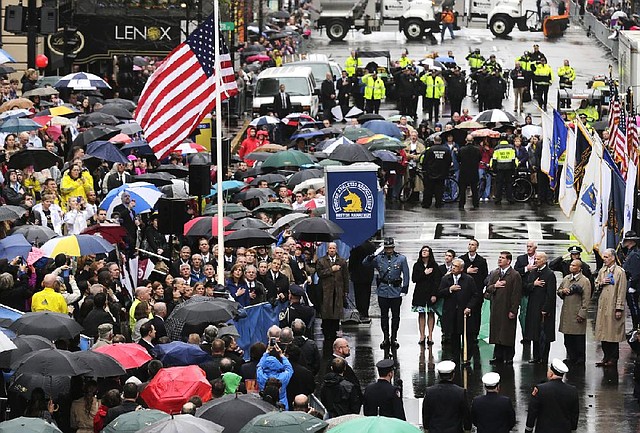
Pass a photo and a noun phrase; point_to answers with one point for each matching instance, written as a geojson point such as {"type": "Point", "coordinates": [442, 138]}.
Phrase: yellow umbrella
{"type": "Point", "coordinates": [76, 246]}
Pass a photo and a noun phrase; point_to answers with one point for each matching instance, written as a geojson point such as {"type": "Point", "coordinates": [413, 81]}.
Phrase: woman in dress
{"type": "Point", "coordinates": [426, 275]}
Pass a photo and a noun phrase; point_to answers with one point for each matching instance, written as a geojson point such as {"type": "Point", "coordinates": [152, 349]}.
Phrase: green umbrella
{"type": "Point", "coordinates": [227, 208]}
{"type": "Point", "coordinates": [28, 425]}
{"type": "Point", "coordinates": [287, 158]}
{"type": "Point", "coordinates": [375, 424]}
{"type": "Point", "coordinates": [385, 144]}
{"type": "Point", "coordinates": [397, 117]}
{"type": "Point", "coordinates": [131, 422]}
{"type": "Point", "coordinates": [326, 162]}
{"type": "Point", "coordinates": [273, 207]}
{"type": "Point", "coordinates": [284, 422]}
{"type": "Point", "coordinates": [355, 132]}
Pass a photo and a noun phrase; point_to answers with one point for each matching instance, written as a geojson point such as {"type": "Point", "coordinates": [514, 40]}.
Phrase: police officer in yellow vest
{"type": "Point", "coordinates": [588, 110]}
{"type": "Point", "coordinates": [528, 65]}
{"type": "Point", "coordinates": [542, 79]}
{"type": "Point", "coordinates": [404, 60]}
{"type": "Point", "coordinates": [434, 90]}
{"type": "Point", "coordinates": [476, 61]}
{"type": "Point", "coordinates": [374, 92]}
{"type": "Point", "coordinates": [504, 163]}
{"type": "Point", "coordinates": [352, 63]}
{"type": "Point", "coordinates": [567, 75]}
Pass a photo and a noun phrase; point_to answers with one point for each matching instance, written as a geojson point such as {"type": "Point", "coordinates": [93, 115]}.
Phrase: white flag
{"type": "Point", "coordinates": [568, 194]}
{"type": "Point", "coordinates": [586, 217]}
{"type": "Point", "coordinates": [547, 137]}
{"type": "Point", "coordinates": [629, 195]}
{"type": "Point", "coordinates": [602, 215]}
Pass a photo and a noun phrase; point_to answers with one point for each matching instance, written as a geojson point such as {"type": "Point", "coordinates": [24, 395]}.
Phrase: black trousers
{"type": "Point", "coordinates": [504, 353]}
{"type": "Point", "coordinates": [432, 187]}
{"type": "Point", "coordinates": [330, 329]}
{"type": "Point", "coordinates": [372, 105]}
{"type": "Point", "coordinates": [456, 105]}
{"type": "Point", "coordinates": [463, 183]}
{"type": "Point", "coordinates": [504, 180]}
{"type": "Point", "coordinates": [433, 108]}
{"type": "Point", "coordinates": [545, 194]}
{"type": "Point", "coordinates": [362, 294]}
{"type": "Point", "coordinates": [540, 351]}
{"type": "Point", "coordinates": [575, 346]}
{"type": "Point", "coordinates": [611, 351]}
{"type": "Point", "coordinates": [634, 307]}
{"type": "Point", "coordinates": [386, 305]}
{"type": "Point", "coordinates": [404, 105]}
{"type": "Point", "coordinates": [542, 94]}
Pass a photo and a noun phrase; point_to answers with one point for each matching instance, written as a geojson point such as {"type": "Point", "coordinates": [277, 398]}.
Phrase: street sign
{"type": "Point", "coordinates": [227, 26]}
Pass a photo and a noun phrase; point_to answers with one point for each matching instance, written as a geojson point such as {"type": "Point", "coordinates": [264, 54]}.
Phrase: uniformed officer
{"type": "Point", "coordinates": [445, 407]}
{"type": "Point", "coordinates": [393, 283]}
{"type": "Point", "coordinates": [492, 64]}
{"type": "Point", "coordinates": [631, 266]}
{"type": "Point", "coordinates": [404, 60]}
{"type": "Point", "coordinates": [434, 91]}
{"type": "Point", "coordinates": [436, 163]}
{"type": "Point", "coordinates": [528, 65]}
{"type": "Point", "coordinates": [492, 412]}
{"type": "Point", "coordinates": [374, 92]}
{"type": "Point", "coordinates": [561, 263]}
{"type": "Point", "coordinates": [296, 310]}
{"type": "Point", "coordinates": [504, 163]}
{"type": "Point", "coordinates": [542, 79]}
{"type": "Point", "coordinates": [383, 398]}
{"type": "Point", "coordinates": [352, 63]}
{"type": "Point", "coordinates": [475, 59]}
{"type": "Point", "coordinates": [554, 406]}
{"type": "Point", "coordinates": [566, 75]}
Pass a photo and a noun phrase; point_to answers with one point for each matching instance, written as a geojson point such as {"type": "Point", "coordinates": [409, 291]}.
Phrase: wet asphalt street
{"type": "Point", "coordinates": [606, 401]}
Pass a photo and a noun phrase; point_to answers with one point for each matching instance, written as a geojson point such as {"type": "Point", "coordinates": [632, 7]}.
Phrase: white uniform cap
{"type": "Point", "coordinates": [558, 367]}
{"type": "Point", "coordinates": [135, 380]}
{"type": "Point", "coordinates": [491, 380]}
{"type": "Point", "coordinates": [445, 367]}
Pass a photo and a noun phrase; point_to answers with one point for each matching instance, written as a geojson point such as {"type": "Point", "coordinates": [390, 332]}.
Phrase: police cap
{"type": "Point", "coordinates": [385, 364]}
{"type": "Point", "coordinates": [389, 243]}
{"type": "Point", "coordinates": [491, 380]}
{"type": "Point", "coordinates": [445, 367]}
{"type": "Point", "coordinates": [296, 290]}
{"type": "Point", "coordinates": [575, 249]}
{"type": "Point", "coordinates": [558, 367]}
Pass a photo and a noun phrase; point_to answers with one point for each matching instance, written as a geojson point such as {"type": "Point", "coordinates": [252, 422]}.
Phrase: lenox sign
{"type": "Point", "coordinates": [147, 33]}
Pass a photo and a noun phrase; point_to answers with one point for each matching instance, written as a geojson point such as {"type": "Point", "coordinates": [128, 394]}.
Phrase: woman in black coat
{"type": "Point", "coordinates": [427, 276]}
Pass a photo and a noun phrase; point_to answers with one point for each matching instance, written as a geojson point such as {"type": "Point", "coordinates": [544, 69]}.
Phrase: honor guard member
{"type": "Point", "coordinates": [296, 310]}
{"type": "Point", "coordinates": [566, 75]}
{"type": "Point", "coordinates": [383, 398]}
{"type": "Point", "coordinates": [504, 163]}
{"type": "Point", "coordinates": [445, 408]}
{"type": "Point", "coordinates": [475, 59]}
{"type": "Point", "coordinates": [492, 412]}
{"type": "Point", "coordinates": [352, 63]}
{"type": "Point", "coordinates": [561, 263]}
{"type": "Point", "coordinates": [554, 406]}
{"type": "Point", "coordinates": [393, 283]}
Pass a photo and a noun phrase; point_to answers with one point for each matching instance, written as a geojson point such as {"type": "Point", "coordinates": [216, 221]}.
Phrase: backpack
{"type": "Point", "coordinates": [447, 17]}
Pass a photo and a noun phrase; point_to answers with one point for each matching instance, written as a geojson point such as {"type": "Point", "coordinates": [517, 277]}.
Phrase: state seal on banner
{"type": "Point", "coordinates": [352, 199]}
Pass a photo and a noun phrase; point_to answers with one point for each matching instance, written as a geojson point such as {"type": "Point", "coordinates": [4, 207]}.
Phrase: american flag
{"type": "Point", "coordinates": [614, 112]}
{"type": "Point", "coordinates": [632, 138]}
{"type": "Point", "coordinates": [183, 90]}
{"type": "Point", "coordinates": [620, 143]}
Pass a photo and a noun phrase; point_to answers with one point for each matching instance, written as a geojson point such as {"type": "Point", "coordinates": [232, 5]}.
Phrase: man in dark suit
{"type": "Point", "coordinates": [212, 368]}
{"type": "Point", "coordinates": [185, 257]}
{"type": "Point", "coordinates": [492, 412]}
{"type": "Point", "coordinates": [279, 287]}
{"type": "Point", "coordinates": [129, 404]}
{"type": "Point", "coordinates": [554, 406]}
{"type": "Point", "coordinates": [328, 96]}
{"type": "Point", "coordinates": [445, 407]}
{"type": "Point", "coordinates": [445, 268]}
{"type": "Point", "coordinates": [460, 301]}
{"type": "Point", "coordinates": [469, 157]}
{"type": "Point", "coordinates": [344, 87]}
{"type": "Point", "coordinates": [147, 334]}
{"type": "Point", "coordinates": [282, 103]}
{"type": "Point", "coordinates": [525, 263]}
{"type": "Point", "coordinates": [159, 314]}
{"type": "Point", "coordinates": [540, 325]}
{"type": "Point", "coordinates": [127, 215]}
{"type": "Point", "coordinates": [117, 178]}
{"type": "Point", "coordinates": [342, 350]}
{"type": "Point", "coordinates": [476, 266]}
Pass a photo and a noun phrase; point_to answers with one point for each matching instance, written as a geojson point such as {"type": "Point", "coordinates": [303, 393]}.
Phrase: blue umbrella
{"type": "Point", "coordinates": [13, 246]}
{"type": "Point", "coordinates": [145, 194]}
{"type": "Point", "coordinates": [82, 81]}
{"type": "Point", "coordinates": [15, 113]}
{"type": "Point", "coordinates": [264, 120]}
{"type": "Point", "coordinates": [227, 185]}
{"type": "Point", "coordinates": [179, 353]}
{"type": "Point", "coordinates": [107, 151]}
{"type": "Point", "coordinates": [19, 124]}
{"type": "Point", "coordinates": [141, 146]}
{"type": "Point", "coordinates": [307, 133]}
{"type": "Point", "coordinates": [383, 127]}
{"type": "Point", "coordinates": [5, 57]}
{"type": "Point", "coordinates": [385, 155]}
{"type": "Point", "coordinates": [445, 59]}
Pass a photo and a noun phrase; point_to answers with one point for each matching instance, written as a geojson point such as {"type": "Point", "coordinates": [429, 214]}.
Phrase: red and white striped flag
{"type": "Point", "coordinates": [614, 113]}
{"type": "Point", "coordinates": [182, 91]}
{"type": "Point", "coordinates": [621, 155]}
{"type": "Point", "coordinates": [632, 139]}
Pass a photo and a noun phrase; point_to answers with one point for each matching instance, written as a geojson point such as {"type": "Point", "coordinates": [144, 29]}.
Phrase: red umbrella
{"type": "Point", "coordinates": [205, 226]}
{"type": "Point", "coordinates": [130, 355]}
{"type": "Point", "coordinates": [258, 58]}
{"type": "Point", "coordinates": [294, 119]}
{"type": "Point", "coordinates": [112, 233]}
{"type": "Point", "coordinates": [172, 387]}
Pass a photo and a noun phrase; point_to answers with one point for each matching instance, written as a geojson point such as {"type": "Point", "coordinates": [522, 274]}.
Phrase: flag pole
{"type": "Point", "coordinates": [218, 140]}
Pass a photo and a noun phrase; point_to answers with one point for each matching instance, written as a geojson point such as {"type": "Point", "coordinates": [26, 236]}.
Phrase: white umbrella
{"type": "Point", "coordinates": [309, 184]}
{"type": "Point", "coordinates": [6, 344]}
{"type": "Point", "coordinates": [354, 112]}
{"type": "Point", "coordinates": [529, 131]}
{"type": "Point", "coordinates": [145, 195]}
{"type": "Point", "coordinates": [341, 140]}
{"type": "Point", "coordinates": [337, 113]}
{"type": "Point", "coordinates": [82, 81]}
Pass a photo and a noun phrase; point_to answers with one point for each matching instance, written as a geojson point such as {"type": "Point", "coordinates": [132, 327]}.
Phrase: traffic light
{"type": "Point", "coordinates": [71, 41]}
{"type": "Point", "coordinates": [125, 77]}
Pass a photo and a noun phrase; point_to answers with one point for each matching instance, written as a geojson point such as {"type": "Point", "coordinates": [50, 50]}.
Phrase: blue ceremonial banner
{"type": "Point", "coordinates": [557, 148]}
{"type": "Point", "coordinates": [353, 201]}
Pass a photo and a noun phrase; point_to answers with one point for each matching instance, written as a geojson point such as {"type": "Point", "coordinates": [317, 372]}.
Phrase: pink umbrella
{"type": "Point", "coordinates": [120, 138]}
{"type": "Point", "coordinates": [258, 58]}
{"type": "Point", "coordinates": [54, 131]}
{"type": "Point", "coordinates": [34, 255]}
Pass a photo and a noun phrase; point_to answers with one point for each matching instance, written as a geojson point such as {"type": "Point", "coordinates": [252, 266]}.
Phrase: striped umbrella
{"type": "Point", "coordinates": [82, 81]}
{"type": "Point", "coordinates": [145, 195]}
{"type": "Point", "coordinates": [264, 120]}
{"type": "Point", "coordinates": [205, 226]}
{"type": "Point", "coordinates": [76, 246]}
{"type": "Point", "coordinates": [294, 119]}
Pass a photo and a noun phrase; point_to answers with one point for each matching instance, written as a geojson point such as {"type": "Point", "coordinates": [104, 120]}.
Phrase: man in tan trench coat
{"type": "Point", "coordinates": [575, 292]}
{"type": "Point", "coordinates": [333, 272]}
{"type": "Point", "coordinates": [612, 284]}
{"type": "Point", "coordinates": [504, 289]}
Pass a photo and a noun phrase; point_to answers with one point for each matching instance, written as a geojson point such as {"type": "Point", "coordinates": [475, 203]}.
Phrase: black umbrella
{"type": "Point", "coordinates": [248, 238]}
{"type": "Point", "coordinates": [98, 364]}
{"type": "Point", "coordinates": [213, 310]}
{"type": "Point", "coordinates": [95, 133]}
{"type": "Point", "coordinates": [177, 170]}
{"type": "Point", "coordinates": [352, 152]}
{"type": "Point", "coordinates": [6, 70]}
{"type": "Point", "coordinates": [253, 171]}
{"type": "Point", "coordinates": [53, 386]}
{"type": "Point", "coordinates": [39, 157]}
{"type": "Point", "coordinates": [271, 178]}
{"type": "Point", "coordinates": [248, 223]}
{"type": "Point", "coordinates": [260, 193]}
{"type": "Point", "coordinates": [276, 36]}
{"type": "Point", "coordinates": [54, 326]}
{"type": "Point", "coordinates": [234, 411]}
{"type": "Point", "coordinates": [274, 207]}
{"type": "Point", "coordinates": [199, 158]}
{"type": "Point", "coordinates": [316, 230]}
{"type": "Point", "coordinates": [98, 118]}
{"type": "Point", "coordinates": [302, 175]}
{"type": "Point", "coordinates": [37, 235]}
{"type": "Point", "coordinates": [25, 344]}
{"type": "Point", "coordinates": [369, 116]}
{"type": "Point", "coordinates": [117, 111]}
{"type": "Point", "coordinates": [49, 362]}
{"type": "Point", "coordinates": [129, 128]}
{"type": "Point", "coordinates": [280, 14]}
{"type": "Point", "coordinates": [127, 103]}
{"type": "Point", "coordinates": [158, 179]}
{"type": "Point", "coordinates": [10, 212]}
{"type": "Point", "coordinates": [258, 156]}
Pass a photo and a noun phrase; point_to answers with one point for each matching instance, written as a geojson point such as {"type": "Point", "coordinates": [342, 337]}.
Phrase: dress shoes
{"type": "Point", "coordinates": [496, 361]}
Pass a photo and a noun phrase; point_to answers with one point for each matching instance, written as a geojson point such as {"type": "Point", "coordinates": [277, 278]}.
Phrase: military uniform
{"type": "Point", "coordinates": [445, 408]}
{"type": "Point", "coordinates": [504, 162]}
{"type": "Point", "coordinates": [383, 398]}
{"type": "Point", "coordinates": [296, 311]}
{"type": "Point", "coordinates": [553, 408]}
